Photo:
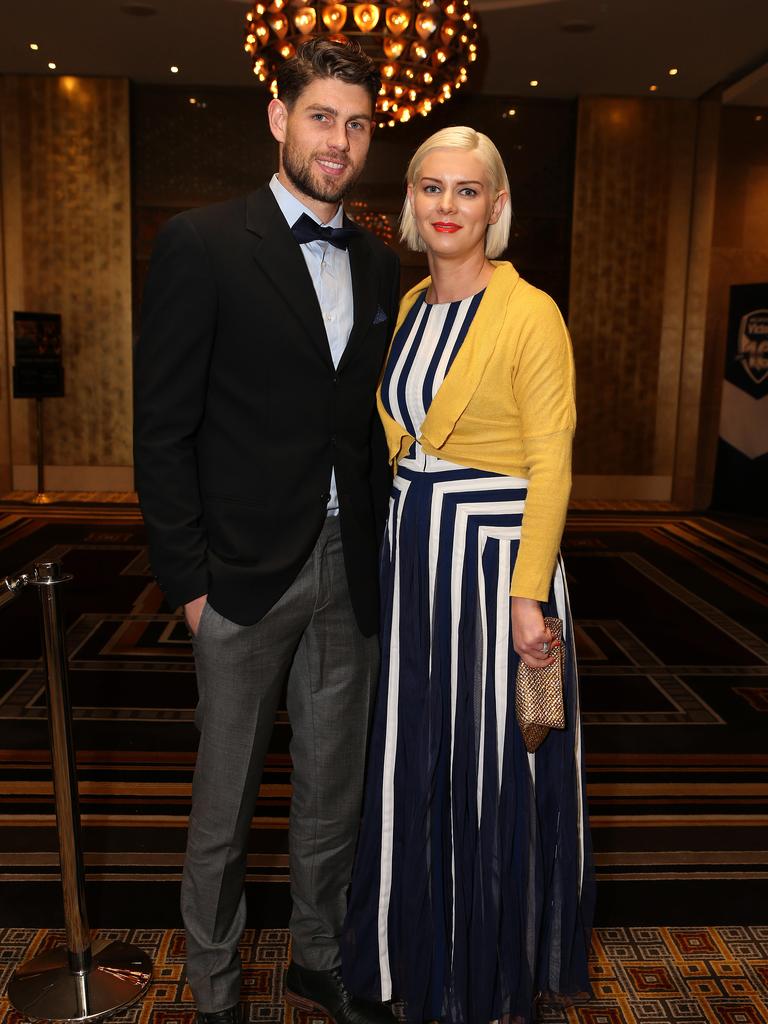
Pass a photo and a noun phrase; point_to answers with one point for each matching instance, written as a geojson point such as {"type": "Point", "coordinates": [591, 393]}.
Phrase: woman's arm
{"type": "Point", "coordinates": [543, 386]}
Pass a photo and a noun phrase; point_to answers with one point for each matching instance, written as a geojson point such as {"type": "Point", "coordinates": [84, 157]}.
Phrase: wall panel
{"type": "Point", "coordinates": [66, 200]}
{"type": "Point", "coordinates": [631, 224]}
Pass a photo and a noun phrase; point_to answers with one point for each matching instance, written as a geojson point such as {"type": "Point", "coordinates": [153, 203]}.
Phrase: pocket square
{"type": "Point", "coordinates": [380, 318]}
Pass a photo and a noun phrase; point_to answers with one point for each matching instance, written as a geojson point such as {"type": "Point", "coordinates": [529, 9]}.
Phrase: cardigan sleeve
{"type": "Point", "coordinates": [543, 387]}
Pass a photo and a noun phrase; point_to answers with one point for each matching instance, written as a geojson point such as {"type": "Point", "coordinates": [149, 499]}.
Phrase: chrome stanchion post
{"type": "Point", "coordinates": [47, 576]}
{"type": "Point", "coordinates": [79, 983]}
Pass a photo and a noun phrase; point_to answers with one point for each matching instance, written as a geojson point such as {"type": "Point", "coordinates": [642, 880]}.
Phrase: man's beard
{"type": "Point", "coordinates": [300, 174]}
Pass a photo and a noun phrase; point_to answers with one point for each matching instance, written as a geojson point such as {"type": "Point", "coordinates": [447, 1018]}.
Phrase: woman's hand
{"type": "Point", "coordinates": [529, 634]}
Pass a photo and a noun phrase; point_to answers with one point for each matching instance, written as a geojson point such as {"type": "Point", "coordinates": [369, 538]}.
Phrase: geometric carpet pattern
{"type": "Point", "coordinates": [671, 614]}
{"type": "Point", "coordinates": [639, 975]}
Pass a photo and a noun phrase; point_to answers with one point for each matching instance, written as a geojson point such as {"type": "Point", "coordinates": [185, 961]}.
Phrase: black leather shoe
{"type": "Point", "coordinates": [325, 991]}
{"type": "Point", "coordinates": [232, 1015]}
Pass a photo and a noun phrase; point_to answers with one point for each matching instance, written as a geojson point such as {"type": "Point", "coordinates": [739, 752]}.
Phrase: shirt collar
{"type": "Point", "coordinates": [292, 208]}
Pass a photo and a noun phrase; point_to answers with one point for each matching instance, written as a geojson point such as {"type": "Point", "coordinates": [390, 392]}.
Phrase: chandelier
{"type": "Point", "coordinates": [422, 47]}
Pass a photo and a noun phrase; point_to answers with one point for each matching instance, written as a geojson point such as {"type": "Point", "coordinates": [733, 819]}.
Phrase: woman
{"type": "Point", "coordinates": [472, 890]}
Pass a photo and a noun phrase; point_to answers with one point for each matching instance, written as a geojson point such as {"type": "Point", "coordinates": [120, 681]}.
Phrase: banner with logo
{"type": "Point", "coordinates": [741, 477]}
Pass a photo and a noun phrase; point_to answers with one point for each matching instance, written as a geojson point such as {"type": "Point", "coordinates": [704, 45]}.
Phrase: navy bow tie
{"type": "Point", "coordinates": [307, 230]}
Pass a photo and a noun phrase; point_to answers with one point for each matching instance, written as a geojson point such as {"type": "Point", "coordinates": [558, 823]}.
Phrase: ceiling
{"type": "Point", "coordinates": [572, 47]}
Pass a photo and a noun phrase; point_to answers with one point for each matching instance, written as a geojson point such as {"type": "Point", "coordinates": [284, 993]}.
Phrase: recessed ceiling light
{"type": "Point", "coordinates": [509, 113]}
{"type": "Point", "coordinates": [174, 69]}
{"type": "Point", "coordinates": [653, 88]}
{"type": "Point", "coordinates": [673, 71]}
{"type": "Point", "coordinates": [533, 83]}
{"type": "Point", "coordinates": [52, 65]}
{"type": "Point", "coordinates": [34, 46]}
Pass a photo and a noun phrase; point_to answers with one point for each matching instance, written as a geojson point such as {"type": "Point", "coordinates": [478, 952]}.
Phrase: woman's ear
{"type": "Point", "coordinates": [500, 202]}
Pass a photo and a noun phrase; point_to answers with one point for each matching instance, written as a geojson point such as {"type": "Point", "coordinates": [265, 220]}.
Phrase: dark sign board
{"type": "Point", "coordinates": [38, 370]}
{"type": "Point", "coordinates": [741, 477]}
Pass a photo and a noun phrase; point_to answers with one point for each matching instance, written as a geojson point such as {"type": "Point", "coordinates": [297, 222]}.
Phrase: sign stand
{"type": "Point", "coordinates": [41, 498]}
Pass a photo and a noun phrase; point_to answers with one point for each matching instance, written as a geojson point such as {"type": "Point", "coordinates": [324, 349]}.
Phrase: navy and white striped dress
{"type": "Point", "coordinates": [472, 886]}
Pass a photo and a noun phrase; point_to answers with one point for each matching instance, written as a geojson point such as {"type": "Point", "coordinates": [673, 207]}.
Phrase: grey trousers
{"type": "Point", "coordinates": [310, 637]}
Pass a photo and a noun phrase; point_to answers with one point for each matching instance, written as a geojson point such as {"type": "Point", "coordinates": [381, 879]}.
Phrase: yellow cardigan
{"type": "Point", "coordinates": [508, 405]}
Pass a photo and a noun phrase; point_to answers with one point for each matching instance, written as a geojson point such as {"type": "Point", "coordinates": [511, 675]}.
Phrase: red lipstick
{"type": "Point", "coordinates": [446, 226]}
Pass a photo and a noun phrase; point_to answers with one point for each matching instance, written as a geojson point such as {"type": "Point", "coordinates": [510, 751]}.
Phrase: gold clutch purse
{"type": "Point", "coordinates": [539, 694]}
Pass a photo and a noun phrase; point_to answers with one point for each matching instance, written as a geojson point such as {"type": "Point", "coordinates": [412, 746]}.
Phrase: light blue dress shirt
{"type": "Point", "coordinates": [332, 278]}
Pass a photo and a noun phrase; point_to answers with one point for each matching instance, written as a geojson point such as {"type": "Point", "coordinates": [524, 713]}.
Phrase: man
{"type": "Point", "coordinates": [263, 481]}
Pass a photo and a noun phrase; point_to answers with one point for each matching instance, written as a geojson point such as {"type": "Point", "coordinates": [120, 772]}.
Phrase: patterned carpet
{"type": "Point", "coordinates": [639, 975]}
{"type": "Point", "coordinates": [673, 647]}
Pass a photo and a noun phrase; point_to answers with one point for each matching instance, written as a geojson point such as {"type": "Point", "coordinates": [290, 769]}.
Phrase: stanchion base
{"type": "Point", "coordinates": [46, 989]}
{"type": "Point", "coordinates": [42, 499]}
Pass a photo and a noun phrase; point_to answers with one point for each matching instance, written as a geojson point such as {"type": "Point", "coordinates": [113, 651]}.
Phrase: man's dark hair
{"type": "Point", "coordinates": [327, 58]}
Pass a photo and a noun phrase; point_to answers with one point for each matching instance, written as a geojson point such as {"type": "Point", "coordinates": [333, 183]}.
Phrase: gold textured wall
{"type": "Point", "coordinates": [634, 215]}
{"type": "Point", "coordinates": [67, 246]}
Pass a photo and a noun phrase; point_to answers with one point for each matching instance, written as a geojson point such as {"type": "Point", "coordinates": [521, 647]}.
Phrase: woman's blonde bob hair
{"type": "Point", "coordinates": [497, 235]}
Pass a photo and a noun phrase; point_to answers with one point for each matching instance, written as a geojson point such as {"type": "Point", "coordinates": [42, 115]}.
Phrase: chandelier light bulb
{"type": "Point", "coordinates": [334, 17]}
{"type": "Point", "coordinates": [393, 48]}
{"type": "Point", "coordinates": [366, 16]}
{"type": "Point", "coordinates": [397, 20]}
{"type": "Point", "coordinates": [425, 25]}
{"type": "Point", "coordinates": [279, 25]}
{"type": "Point", "coordinates": [305, 20]}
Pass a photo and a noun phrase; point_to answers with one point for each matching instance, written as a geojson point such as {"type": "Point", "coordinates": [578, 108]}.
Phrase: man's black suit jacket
{"type": "Point", "coordinates": [240, 413]}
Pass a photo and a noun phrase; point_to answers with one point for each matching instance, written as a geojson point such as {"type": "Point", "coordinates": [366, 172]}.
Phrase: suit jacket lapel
{"type": "Point", "coordinates": [279, 257]}
{"type": "Point", "coordinates": [364, 292]}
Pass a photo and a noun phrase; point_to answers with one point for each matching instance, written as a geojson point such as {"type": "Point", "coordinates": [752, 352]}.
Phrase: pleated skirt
{"type": "Point", "coordinates": [472, 891]}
